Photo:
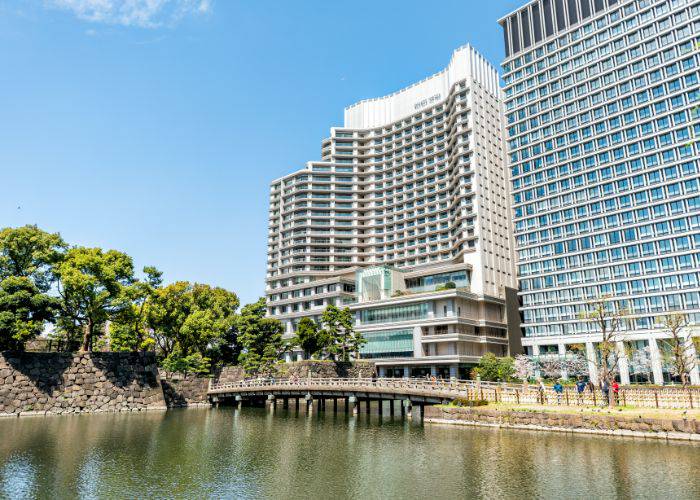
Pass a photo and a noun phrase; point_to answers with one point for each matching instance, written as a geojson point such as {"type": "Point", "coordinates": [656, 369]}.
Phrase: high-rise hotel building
{"type": "Point", "coordinates": [601, 111]}
{"type": "Point", "coordinates": [405, 219]}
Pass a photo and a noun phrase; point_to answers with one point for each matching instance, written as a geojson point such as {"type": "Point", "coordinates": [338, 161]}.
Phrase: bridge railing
{"type": "Point", "coordinates": [471, 390]}
{"type": "Point", "coordinates": [454, 388]}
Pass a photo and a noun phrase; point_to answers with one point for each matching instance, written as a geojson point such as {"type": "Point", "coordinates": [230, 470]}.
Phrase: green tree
{"type": "Point", "coordinates": [129, 330]}
{"type": "Point", "coordinates": [338, 325]}
{"type": "Point", "coordinates": [91, 286]}
{"type": "Point", "coordinates": [24, 311]}
{"type": "Point", "coordinates": [186, 319]}
{"type": "Point", "coordinates": [260, 338]}
{"type": "Point", "coordinates": [29, 252]}
{"type": "Point", "coordinates": [495, 369]}
{"type": "Point", "coordinates": [313, 340]}
{"type": "Point", "coordinates": [27, 255]}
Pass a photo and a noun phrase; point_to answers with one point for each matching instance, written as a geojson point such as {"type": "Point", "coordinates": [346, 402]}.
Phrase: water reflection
{"type": "Point", "coordinates": [253, 454]}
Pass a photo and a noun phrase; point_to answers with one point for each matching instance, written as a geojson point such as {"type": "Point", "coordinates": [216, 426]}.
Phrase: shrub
{"type": "Point", "coordinates": [493, 369]}
{"type": "Point", "coordinates": [194, 363]}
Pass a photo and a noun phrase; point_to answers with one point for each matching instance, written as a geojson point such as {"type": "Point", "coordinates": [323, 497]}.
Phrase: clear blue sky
{"type": "Point", "coordinates": [157, 130]}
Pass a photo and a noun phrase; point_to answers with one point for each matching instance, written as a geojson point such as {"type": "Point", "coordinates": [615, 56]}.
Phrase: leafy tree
{"type": "Point", "coordinates": [129, 330]}
{"type": "Point", "coordinates": [23, 312]}
{"type": "Point", "coordinates": [311, 339]}
{"type": "Point", "coordinates": [26, 256]}
{"type": "Point", "coordinates": [260, 339]}
{"type": "Point", "coordinates": [194, 363]}
{"type": "Point", "coordinates": [29, 252]}
{"type": "Point", "coordinates": [678, 348]}
{"type": "Point", "coordinates": [494, 369]}
{"type": "Point", "coordinates": [338, 325]}
{"type": "Point", "coordinates": [609, 320]}
{"type": "Point", "coordinates": [91, 285]}
{"type": "Point", "coordinates": [186, 318]}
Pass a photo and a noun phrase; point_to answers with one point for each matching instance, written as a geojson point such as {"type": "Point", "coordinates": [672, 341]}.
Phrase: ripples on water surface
{"type": "Point", "coordinates": [250, 454]}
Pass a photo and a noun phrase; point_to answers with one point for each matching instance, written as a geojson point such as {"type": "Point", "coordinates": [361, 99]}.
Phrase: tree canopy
{"type": "Point", "coordinates": [27, 257]}
{"type": "Point", "coordinates": [260, 338]}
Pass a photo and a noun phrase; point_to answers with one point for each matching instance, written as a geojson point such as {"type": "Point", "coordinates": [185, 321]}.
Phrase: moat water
{"type": "Point", "coordinates": [223, 453]}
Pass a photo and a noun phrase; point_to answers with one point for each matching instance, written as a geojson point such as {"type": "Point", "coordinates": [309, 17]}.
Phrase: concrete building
{"type": "Point", "coordinates": [601, 105]}
{"type": "Point", "coordinates": [412, 185]}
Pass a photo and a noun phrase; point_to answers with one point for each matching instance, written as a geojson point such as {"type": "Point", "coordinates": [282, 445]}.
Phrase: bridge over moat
{"type": "Point", "coordinates": [351, 391]}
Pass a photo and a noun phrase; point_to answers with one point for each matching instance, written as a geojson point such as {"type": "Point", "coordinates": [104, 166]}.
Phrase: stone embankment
{"type": "Point", "coordinates": [655, 428]}
{"type": "Point", "coordinates": [34, 383]}
{"type": "Point", "coordinates": [41, 383]}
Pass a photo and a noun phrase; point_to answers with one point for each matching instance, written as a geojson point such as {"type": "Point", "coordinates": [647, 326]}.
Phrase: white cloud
{"type": "Point", "coordinates": [141, 13]}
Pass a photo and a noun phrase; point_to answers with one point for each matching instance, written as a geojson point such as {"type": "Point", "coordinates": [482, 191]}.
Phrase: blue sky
{"type": "Point", "coordinates": [155, 127]}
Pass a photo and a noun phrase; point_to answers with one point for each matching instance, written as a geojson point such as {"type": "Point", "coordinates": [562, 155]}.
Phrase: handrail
{"type": "Point", "coordinates": [377, 383]}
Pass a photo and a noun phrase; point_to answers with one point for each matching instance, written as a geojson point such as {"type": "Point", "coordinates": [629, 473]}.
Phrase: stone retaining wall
{"type": "Point", "coordinates": [40, 383]}
{"type": "Point", "coordinates": [184, 390]}
{"type": "Point", "coordinates": [686, 429]}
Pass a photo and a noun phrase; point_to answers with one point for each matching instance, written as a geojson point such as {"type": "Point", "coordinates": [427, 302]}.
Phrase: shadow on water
{"type": "Point", "coordinates": [253, 453]}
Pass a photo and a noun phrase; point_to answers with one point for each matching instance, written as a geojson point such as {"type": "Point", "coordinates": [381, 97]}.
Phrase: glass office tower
{"type": "Point", "coordinates": [602, 130]}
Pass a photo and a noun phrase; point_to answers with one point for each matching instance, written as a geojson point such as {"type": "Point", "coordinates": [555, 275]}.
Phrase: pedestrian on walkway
{"type": "Point", "coordinates": [580, 388]}
{"type": "Point", "coordinates": [559, 390]}
{"type": "Point", "coordinates": [616, 390]}
{"type": "Point", "coordinates": [542, 394]}
{"type": "Point", "coordinates": [605, 389]}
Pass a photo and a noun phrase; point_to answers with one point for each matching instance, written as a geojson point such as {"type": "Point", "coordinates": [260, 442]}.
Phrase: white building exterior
{"type": "Point", "coordinates": [601, 106]}
{"type": "Point", "coordinates": [414, 182]}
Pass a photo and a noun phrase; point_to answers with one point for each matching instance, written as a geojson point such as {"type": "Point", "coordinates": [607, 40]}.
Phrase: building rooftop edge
{"type": "Point", "coordinates": [466, 46]}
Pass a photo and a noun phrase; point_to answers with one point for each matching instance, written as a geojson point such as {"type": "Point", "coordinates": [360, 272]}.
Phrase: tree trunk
{"type": "Point", "coordinates": [87, 337]}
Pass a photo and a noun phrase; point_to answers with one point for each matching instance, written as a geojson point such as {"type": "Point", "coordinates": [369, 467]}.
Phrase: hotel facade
{"type": "Point", "coordinates": [405, 220]}
{"type": "Point", "coordinates": [601, 117]}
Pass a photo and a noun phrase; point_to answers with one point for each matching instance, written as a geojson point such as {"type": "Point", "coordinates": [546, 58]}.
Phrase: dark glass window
{"type": "Point", "coordinates": [506, 37]}
{"type": "Point", "coordinates": [573, 14]}
{"type": "Point", "coordinates": [612, 2]}
{"type": "Point", "coordinates": [585, 8]}
{"type": "Point", "coordinates": [525, 23]}
{"type": "Point", "coordinates": [549, 17]}
{"type": "Point", "coordinates": [514, 36]}
{"type": "Point", "coordinates": [536, 23]}
{"type": "Point", "coordinates": [599, 5]}
{"type": "Point", "coordinates": [561, 16]}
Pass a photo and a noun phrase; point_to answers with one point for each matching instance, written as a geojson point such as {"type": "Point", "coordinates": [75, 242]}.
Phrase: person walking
{"type": "Point", "coordinates": [542, 394]}
{"type": "Point", "coordinates": [580, 388]}
{"type": "Point", "coordinates": [615, 390]}
{"type": "Point", "coordinates": [605, 389]}
{"type": "Point", "coordinates": [559, 390]}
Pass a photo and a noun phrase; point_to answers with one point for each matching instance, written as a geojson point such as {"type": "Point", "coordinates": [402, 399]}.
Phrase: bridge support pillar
{"type": "Point", "coordinates": [271, 402]}
{"type": "Point", "coordinates": [285, 403]}
{"type": "Point", "coordinates": [391, 407]}
{"type": "Point", "coordinates": [381, 407]}
{"type": "Point", "coordinates": [335, 405]}
{"type": "Point", "coordinates": [368, 407]}
{"type": "Point", "coordinates": [309, 403]}
{"type": "Point", "coordinates": [352, 403]}
{"type": "Point", "coordinates": [296, 405]}
{"type": "Point", "coordinates": [421, 409]}
{"type": "Point", "coordinates": [407, 408]}
{"type": "Point", "coordinates": [239, 402]}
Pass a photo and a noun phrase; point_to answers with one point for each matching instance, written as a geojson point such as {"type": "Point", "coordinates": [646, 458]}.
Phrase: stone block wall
{"type": "Point", "coordinates": [581, 422]}
{"type": "Point", "coordinates": [184, 390]}
{"type": "Point", "coordinates": [40, 383]}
